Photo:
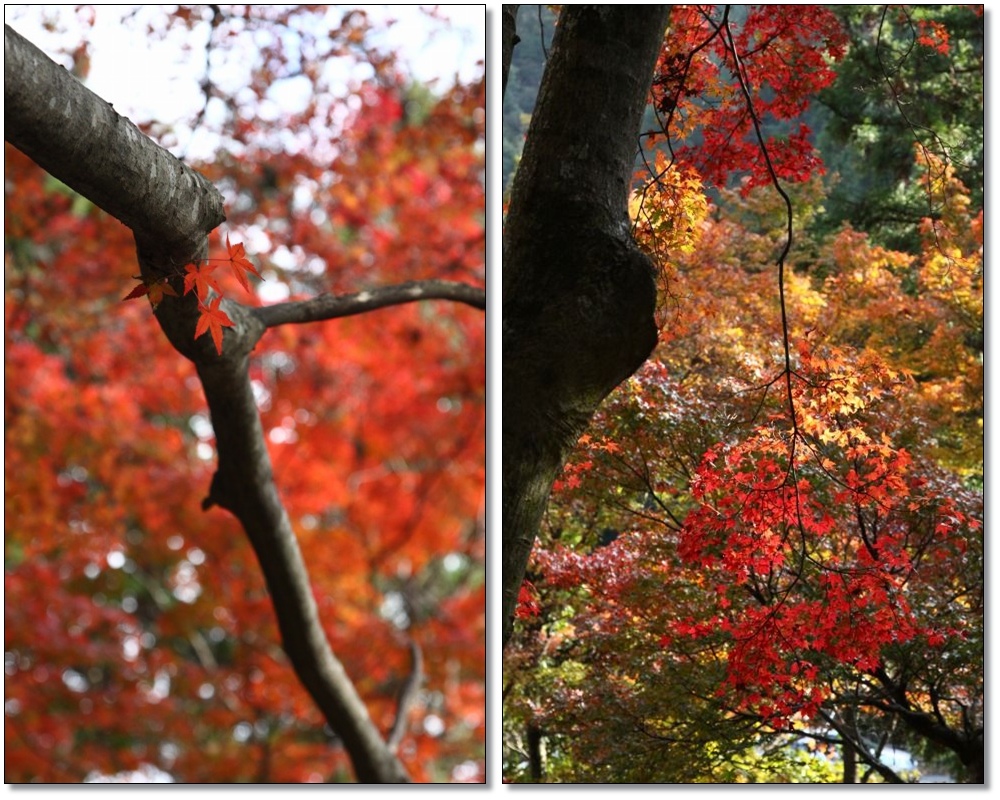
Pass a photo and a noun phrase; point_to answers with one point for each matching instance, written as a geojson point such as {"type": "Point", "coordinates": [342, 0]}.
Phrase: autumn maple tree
{"type": "Point", "coordinates": [691, 600]}
{"type": "Point", "coordinates": [771, 532]}
{"type": "Point", "coordinates": [248, 546]}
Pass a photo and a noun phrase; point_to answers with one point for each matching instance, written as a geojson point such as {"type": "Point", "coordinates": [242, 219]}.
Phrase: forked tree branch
{"type": "Point", "coordinates": [77, 137]}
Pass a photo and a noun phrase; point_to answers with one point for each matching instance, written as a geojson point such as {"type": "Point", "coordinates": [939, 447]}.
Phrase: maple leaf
{"type": "Point", "coordinates": [155, 291]}
{"type": "Point", "coordinates": [239, 263]}
{"type": "Point", "coordinates": [138, 291]}
{"type": "Point", "coordinates": [200, 279]}
{"type": "Point", "coordinates": [212, 319]}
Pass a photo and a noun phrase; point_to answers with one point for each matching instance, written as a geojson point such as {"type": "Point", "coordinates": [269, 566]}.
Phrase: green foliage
{"type": "Point", "coordinates": [894, 88]}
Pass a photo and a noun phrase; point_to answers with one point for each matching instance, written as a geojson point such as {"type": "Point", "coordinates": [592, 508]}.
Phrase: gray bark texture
{"type": "Point", "coordinates": [578, 296]}
{"type": "Point", "coordinates": [80, 139]}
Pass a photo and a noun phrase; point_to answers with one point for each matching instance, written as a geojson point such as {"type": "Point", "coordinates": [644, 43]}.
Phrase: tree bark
{"type": "Point", "coordinates": [535, 759]}
{"type": "Point", "coordinates": [847, 751]}
{"type": "Point", "coordinates": [509, 39]}
{"type": "Point", "coordinates": [81, 140]}
{"type": "Point", "coordinates": [578, 296]}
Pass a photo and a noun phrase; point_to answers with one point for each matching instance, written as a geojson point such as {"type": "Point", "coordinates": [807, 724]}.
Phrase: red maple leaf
{"type": "Point", "coordinates": [527, 601]}
{"type": "Point", "coordinates": [213, 319]}
{"type": "Point", "coordinates": [155, 291]}
{"type": "Point", "coordinates": [239, 263]}
{"type": "Point", "coordinates": [200, 279]}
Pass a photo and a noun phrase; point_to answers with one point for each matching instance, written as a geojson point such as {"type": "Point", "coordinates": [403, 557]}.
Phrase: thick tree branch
{"type": "Point", "coordinates": [244, 485]}
{"type": "Point", "coordinates": [969, 748]}
{"type": "Point", "coordinates": [79, 139]}
{"type": "Point", "coordinates": [328, 306]}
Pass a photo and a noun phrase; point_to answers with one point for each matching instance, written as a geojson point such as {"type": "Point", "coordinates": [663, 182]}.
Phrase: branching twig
{"type": "Point", "coordinates": [741, 77]}
{"type": "Point", "coordinates": [541, 32]}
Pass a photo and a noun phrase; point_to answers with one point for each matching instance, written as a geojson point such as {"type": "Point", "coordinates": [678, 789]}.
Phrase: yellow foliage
{"type": "Point", "coordinates": [669, 211]}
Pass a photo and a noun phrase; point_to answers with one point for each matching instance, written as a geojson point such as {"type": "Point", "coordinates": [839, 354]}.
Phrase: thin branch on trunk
{"type": "Point", "coordinates": [510, 40]}
{"type": "Point", "coordinates": [407, 695]}
{"type": "Point", "coordinates": [329, 306]}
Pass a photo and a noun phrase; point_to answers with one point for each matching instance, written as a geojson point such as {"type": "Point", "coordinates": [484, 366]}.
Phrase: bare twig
{"type": "Point", "coordinates": [328, 306]}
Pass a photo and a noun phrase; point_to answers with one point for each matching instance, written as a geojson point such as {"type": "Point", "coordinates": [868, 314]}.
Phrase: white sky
{"type": "Point", "coordinates": [147, 78]}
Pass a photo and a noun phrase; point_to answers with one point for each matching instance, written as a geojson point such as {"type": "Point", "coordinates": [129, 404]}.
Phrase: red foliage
{"type": "Point", "coordinates": [137, 627]}
{"type": "Point", "coordinates": [784, 53]}
{"type": "Point", "coordinates": [821, 526]}
{"type": "Point", "coordinates": [527, 601]}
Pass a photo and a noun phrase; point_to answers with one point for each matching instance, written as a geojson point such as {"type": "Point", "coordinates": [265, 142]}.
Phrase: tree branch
{"type": "Point", "coordinates": [969, 749]}
{"type": "Point", "coordinates": [244, 485]}
{"type": "Point", "coordinates": [78, 138]}
{"type": "Point", "coordinates": [407, 695]}
{"type": "Point", "coordinates": [850, 739]}
{"type": "Point", "coordinates": [328, 306]}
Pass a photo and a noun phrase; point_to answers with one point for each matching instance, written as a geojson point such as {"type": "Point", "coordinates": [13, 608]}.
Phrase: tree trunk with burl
{"type": "Point", "coordinates": [578, 295]}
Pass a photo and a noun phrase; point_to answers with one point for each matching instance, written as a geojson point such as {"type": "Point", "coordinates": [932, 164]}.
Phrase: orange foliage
{"type": "Point", "coordinates": [137, 627]}
{"type": "Point", "coordinates": [802, 528]}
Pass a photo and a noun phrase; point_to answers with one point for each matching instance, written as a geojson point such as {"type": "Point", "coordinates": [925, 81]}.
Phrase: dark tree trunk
{"type": "Point", "coordinates": [977, 765]}
{"type": "Point", "coordinates": [578, 296]}
{"type": "Point", "coordinates": [847, 750]}
{"type": "Point", "coordinates": [535, 760]}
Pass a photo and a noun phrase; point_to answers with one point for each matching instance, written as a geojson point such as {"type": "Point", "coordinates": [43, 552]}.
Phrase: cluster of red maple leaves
{"type": "Point", "coordinates": [198, 278]}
